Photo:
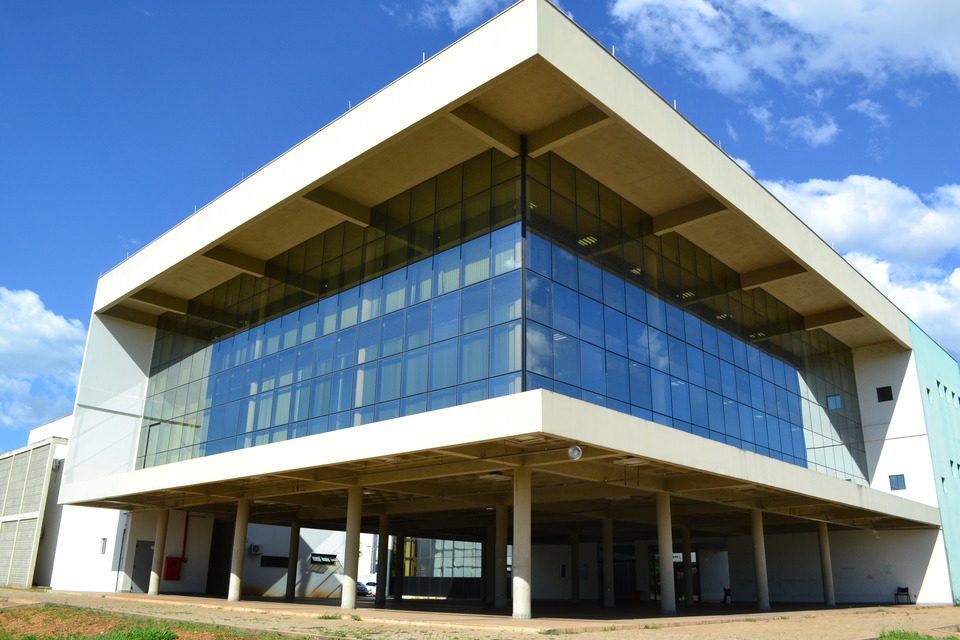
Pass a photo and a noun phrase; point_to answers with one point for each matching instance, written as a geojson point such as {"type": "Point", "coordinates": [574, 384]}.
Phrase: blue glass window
{"type": "Point", "coordinates": [591, 321]}
{"type": "Point", "coordinates": [505, 297]}
{"type": "Point", "coordinates": [417, 322]}
{"type": "Point", "coordinates": [445, 317]}
{"type": "Point", "coordinates": [474, 357]}
{"type": "Point", "coordinates": [475, 307]}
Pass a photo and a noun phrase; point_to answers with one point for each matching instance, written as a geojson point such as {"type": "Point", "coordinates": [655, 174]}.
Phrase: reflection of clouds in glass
{"type": "Point", "coordinates": [539, 350]}
{"type": "Point", "coordinates": [659, 359]}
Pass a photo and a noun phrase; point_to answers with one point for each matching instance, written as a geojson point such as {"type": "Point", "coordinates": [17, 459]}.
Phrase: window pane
{"type": "Point", "coordinates": [474, 357]}
{"type": "Point", "coordinates": [474, 307]}
{"type": "Point", "coordinates": [445, 317]}
{"type": "Point", "coordinates": [476, 260]}
{"type": "Point", "coordinates": [539, 349]}
{"type": "Point", "coordinates": [447, 270]}
{"type": "Point", "coordinates": [564, 267]}
{"type": "Point", "coordinates": [345, 354]}
{"type": "Point", "coordinates": [305, 361]}
{"type": "Point", "coordinates": [593, 368]}
{"type": "Point", "coordinates": [640, 386]}
{"type": "Point", "coordinates": [415, 372]}
{"type": "Point", "coordinates": [538, 253]}
{"type": "Point", "coordinates": [389, 388]}
{"type": "Point", "coordinates": [615, 330]}
{"type": "Point", "coordinates": [443, 364]}
{"type": "Point", "coordinates": [506, 249]}
{"type": "Point", "coordinates": [394, 290]}
{"type": "Point", "coordinates": [566, 358]}
{"type": "Point", "coordinates": [591, 321]}
{"type": "Point", "coordinates": [590, 280]}
{"type": "Point", "coordinates": [566, 310]}
{"type": "Point", "coordinates": [613, 291]}
{"type": "Point", "coordinates": [391, 334]}
{"type": "Point", "coordinates": [349, 307]}
{"type": "Point", "coordinates": [418, 325]}
{"type": "Point", "coordinates": [505, 348]}
{"type": "Point", "coordinates": [370, 299]}
{"type": "Point", "coordinates": [419, 281]}
{"type": "Point", "coordinates": [342, 391]}
{"type": "Point", "coordinates": [368, 342]}
{"type": "Point", "coordinates": [618, 381]}
{"type": "Point", "coordinates": [505, 298]}
{"type": "Point", "coordinates": [366, 389]}
{"type": "Point", "coordinates": [539, 298]}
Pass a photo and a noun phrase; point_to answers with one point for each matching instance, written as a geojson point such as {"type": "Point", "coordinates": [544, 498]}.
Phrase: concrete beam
{"type": "Point", "coordinates": [686, 215]}
{"type": "Point", "coordinates": [160, 300]}
{"type": "Point", "coordinates": [491, 131]}
{"type": "Point", "coordinates": [767, 275]}
{"type": "Point", "coordinates": [827, 318]}
{"type": "Point", "coordinates": [567, 129]}
{"type": "Point", "coordinates": [339, 206]}
{"type": "Point", "coordinates": [239, 261]}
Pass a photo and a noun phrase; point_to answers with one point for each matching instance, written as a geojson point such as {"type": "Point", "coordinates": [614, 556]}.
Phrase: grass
{"type": "Point", "coordinates": [651, 626]}
{"type": "Point", "coordinates": [330, 616]}
{"type": "Point", "coordinates": [902, 634]}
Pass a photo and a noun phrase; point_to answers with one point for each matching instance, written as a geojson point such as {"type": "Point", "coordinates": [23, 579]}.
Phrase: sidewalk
{"type": "Point", "coordinates": [440, 619]}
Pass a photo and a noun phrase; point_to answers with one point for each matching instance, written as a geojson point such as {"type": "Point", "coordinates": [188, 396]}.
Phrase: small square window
{"type": "Point", "coordinates": [897, 482]}
{"type": "Point", "coordinates": [834, 402]}
{"type": "Point", "coordinates": [884, 394]}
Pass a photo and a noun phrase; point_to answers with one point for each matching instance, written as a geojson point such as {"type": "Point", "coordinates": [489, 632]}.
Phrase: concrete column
{"type": "Point", "coordinates": [239, 549]}
{"type": "Point", "coordinates": [826, 565]}
{"type": "Point", "coordinates": [668, 592]}
{"type": "Point", "coordinates": [351, 549]}
{"type": "Point", "coordinates": [500, 567]}
{"type": "Point", "coordinates": [293, 561]}
{"type": "Point", "coordinates": [487, 562]}
{"type": "Point", "coordinates": [687, 566]}
{"type": "Point", "coordinates": [383, 560]}
{"type": "Point", "coordinates": [607, 543]}
{"type": "Point", "coordinates": [159, 543]}
{"type": "Point", "coordinates": [760, 560]}
{"type": "Point", "coordinates": [575, 568]}
{"type": "Point", "coordinates": [522, 561]}
{"type": "Point", "coordinates": [399, 544]}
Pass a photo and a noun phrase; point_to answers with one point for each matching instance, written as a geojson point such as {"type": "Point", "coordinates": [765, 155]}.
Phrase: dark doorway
{"type": "Point", "coordinates": [218, 571]}
{"type": "Point", "coordinates": [142, 563]}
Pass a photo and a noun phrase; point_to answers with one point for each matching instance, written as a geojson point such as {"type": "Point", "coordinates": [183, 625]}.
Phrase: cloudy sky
{"type": "Point", "coordinates": [119, 119]}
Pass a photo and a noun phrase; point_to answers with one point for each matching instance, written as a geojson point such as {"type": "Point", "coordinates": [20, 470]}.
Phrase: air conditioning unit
{"type": "Point", "coordinates": [256, 549]}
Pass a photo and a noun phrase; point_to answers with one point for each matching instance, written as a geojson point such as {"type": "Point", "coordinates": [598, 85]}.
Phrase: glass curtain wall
{"type": "Point", "coordinates": [449, 298]}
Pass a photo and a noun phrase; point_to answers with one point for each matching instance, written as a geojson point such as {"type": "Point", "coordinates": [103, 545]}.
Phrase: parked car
{"type": "Point", "coordinates": [372, 588]}
{"type": "Point", "coordinates": [362, 589]}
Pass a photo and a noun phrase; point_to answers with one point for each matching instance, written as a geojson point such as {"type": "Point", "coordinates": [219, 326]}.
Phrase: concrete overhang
{"type": "Point", "coordinates": [528, 72]}
{"type": "Point", "coordinates": [432, 479]}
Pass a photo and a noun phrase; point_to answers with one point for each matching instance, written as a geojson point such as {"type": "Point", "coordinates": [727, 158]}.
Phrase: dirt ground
{"type": "Point", "coordinates": [258, 618]}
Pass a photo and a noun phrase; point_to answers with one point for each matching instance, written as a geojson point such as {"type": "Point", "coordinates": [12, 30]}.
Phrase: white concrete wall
{"type": "Point", "coordinates": [81, 562]}
{"type": "Point", "coordinates": [59, 428]}
{"type": "Point", "coordinates": [193, 572]}
{"type": "Point", "coordinates": [549, 562]}
{"type": "Point", "coordinates": [894, 432]}
{"type": "Point", "coordinates": [714, 572]}
{"type": "Point", "coordinates": [867, 567]}
{"type": "Point", "coordinates": [110, 399]}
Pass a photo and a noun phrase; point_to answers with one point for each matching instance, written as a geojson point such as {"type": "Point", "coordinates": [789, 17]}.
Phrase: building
{"type": "Point", "coordinates": [515, 300]}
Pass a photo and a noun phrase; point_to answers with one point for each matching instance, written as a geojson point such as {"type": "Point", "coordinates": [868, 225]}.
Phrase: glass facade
{"type": "Point", "coordinates": [497, 276]}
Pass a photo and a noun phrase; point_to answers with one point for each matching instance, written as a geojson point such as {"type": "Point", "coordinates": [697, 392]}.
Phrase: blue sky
{"type": "Point", "coordinates": [120, 119]}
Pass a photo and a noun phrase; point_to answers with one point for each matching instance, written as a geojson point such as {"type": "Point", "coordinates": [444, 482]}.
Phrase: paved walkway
{"type": "Point", "coordinates": [434, 619]}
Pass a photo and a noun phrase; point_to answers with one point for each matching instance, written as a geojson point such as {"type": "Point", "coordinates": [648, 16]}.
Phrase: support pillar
{"type": "Point", "coordinates": [351, 549]}
{"type": "Point", "coordinates": [575, 568]}
{"type": "Point", "coordinates": [159, 543]}
{"type": "Point", "coordinates": [383, 560]}
{"type": "Point", "coordinates": [399, 543]}
{"type": "Point", "coordinates": [522, 561]}
{"type": "Point", "coordinates": [500, 568]}
{"type": "Point", "coordinates": [488, 560]}
{"type": "Point", "coordinates": [687, 566]}
{"type": "Point", "coordinates": [239, 549]}
{"type": "Point", "coordinates": [826, 565]}
{"type": "Point", "coordinates": [668, 592]}
{"type": "Point", "coordinates": [293, 561]}
{"type": "Point", "coordinates": [607, 543]}
{"type": "Point", "coordinates": [760, 560]}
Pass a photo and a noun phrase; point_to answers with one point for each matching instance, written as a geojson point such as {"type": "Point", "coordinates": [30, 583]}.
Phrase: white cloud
{"type": "Point", "coordinates": [40, 355]}
{"type": "Point", "coordinates": [906, 244]}
{"type": "Point", "coordinates": [458, 14]}
{"type": "Point", "coordinates": [914, 98]}
{"type": "Point", "coordinates": [930, 297]}
{"type": "Point", "coordinates": [871, 109]}
{"type": "Point", "coordinates": [864, 214]}
{"type": "Point", "coordinates": [744, 165]}
{"type": "Point", "coordinates": [813, 133]}
{"type": "Point", "coordinates": [734, 44]}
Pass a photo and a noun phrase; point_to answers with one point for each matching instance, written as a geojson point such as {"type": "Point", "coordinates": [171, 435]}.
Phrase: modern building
{"type": "Point", "coordinates": [515, 299]}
